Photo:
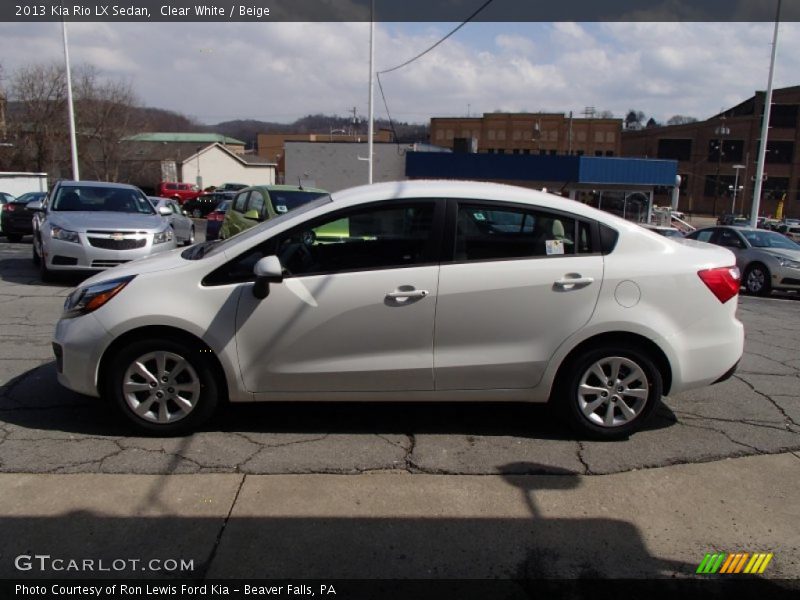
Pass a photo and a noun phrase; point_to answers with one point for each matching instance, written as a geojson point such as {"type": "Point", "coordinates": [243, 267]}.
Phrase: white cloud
{"type": "Point", "coordinates": [280, 71]}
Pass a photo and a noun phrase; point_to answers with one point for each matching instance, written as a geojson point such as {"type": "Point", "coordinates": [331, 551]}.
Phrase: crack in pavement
{"type": "Point", "coordinates": [410, 465]}
{"type": "Point", "coordinates": [203, 572]}
{"type": "Point", "coordinates": [787, 418]}
{"type": "Point", "coordinates": [750, 422]}
{"type": "Point", "coordinates": [581, 449]}
{"type": "Point", "coordinates": [724, 434]}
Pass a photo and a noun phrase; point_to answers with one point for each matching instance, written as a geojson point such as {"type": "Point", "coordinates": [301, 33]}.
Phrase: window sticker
{"type": "Point", "coordinates": [281, 208]}
{"type": "Point", "coordinates": [554, 247]}
{"type": "Point", "coordinates": [479, 216]}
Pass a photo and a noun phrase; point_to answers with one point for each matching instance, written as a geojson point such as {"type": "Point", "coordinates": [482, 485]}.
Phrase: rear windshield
{"type": "Point", "coordinates": [106, 199]}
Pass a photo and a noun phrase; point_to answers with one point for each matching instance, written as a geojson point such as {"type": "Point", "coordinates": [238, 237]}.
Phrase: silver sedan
{"type": "Point", "coordinates": [768, 260]}
{"type": "Point", "coordinates": [183, 225]}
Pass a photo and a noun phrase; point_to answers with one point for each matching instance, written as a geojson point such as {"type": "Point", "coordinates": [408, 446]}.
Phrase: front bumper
{"type": "Point", "coordinates": [786, 278]}
{"type": "Point", "coordinates": [78, 345]}
{"type": "Point", "coordinates": [69, 256]}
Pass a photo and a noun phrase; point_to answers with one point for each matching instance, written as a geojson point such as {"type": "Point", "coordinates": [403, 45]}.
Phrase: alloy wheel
{"type": "Point", "coordinates": [161, 387]}
{"type": "Point", "coordinates": [613, 391]}
{"type": "Point", "coordinates": [755, 280]}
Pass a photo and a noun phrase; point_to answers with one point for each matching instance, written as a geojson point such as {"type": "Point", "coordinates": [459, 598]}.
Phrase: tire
{"type": "Point", "coordinates": [35, 255]}
{"type": "Point", "coordinates": [14, 238]}
{"type": "Point", "coordinates": [45, 274]}
{"type": "Point", "coordinates": [757, 280]}
{"type": "Point", "coordinates": [174, 412]}
{"type": "Point", "coordinates": [197, 213]}
{"type": "Point", "coordinates": [588, 413]}
{"type": "Point", "coordinates": [190, 241]}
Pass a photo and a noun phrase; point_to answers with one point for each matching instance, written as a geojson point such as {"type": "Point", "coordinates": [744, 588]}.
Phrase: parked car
{"type": "Point", "coordinates": [767, 259]}
{"type": "Point", "coordinates": [4, 199]}
{"type": "Point", "coordinates": [215, 218]}
{"type": "Point", "coordinates": [414, 291]}
{"type": "Point", "coordinates": [793, 233]}
{"type": "Point", "coordinates": [201, 206]}
{"type": "Point", "coordinates": [92, 225]}
{"type": "Point", "coordinates": [733, 220]}
{"type": "Point", "coordinates": [259, 203]}
{"type": "Point", "coordinates": [181, 224]}
{"type": "Point", "coordinates": [15, 220]}
{"type": "Point", "coordinates": [181, 192]}
{"type": "Point", "coordinates": [227, 191]}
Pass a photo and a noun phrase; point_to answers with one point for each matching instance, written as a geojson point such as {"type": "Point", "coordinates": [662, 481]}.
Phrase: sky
{"type": "Point", "coordinates": [217, 72]}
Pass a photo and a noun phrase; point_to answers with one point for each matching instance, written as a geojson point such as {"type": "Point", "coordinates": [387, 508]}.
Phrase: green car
{"type": "Point", "coordinates": [261, 202]}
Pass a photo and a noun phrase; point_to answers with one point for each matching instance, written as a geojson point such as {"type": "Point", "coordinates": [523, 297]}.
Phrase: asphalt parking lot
{"type": "Point", "coordinates": [47, 429]}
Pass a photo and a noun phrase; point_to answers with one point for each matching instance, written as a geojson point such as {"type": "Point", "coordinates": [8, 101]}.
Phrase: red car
{"type": "Point", "coordinates": [178, 191]}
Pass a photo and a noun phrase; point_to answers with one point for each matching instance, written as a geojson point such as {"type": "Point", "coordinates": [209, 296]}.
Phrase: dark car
{"type": "Point", "coordinates": [201, 206]}
{"type": "Point", "coordinates": [15, 220]}
{"type": "Point", "coordinates": [215, 219]}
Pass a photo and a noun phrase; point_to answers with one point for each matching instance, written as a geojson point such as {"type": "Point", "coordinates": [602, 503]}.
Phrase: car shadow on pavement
{"type": "Point", "coordinates": [23, 271]}
{"type": "Point", "coordinates": [36, 400]}
{"type": "Point", "coordinates": [408, 539]}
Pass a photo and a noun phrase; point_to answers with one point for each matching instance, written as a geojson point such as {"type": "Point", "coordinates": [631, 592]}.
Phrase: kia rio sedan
{"type": "Point", "coordinates": [411, 291]}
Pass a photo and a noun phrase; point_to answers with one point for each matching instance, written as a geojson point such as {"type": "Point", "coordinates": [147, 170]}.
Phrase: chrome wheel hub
{"type": "Point", "coordinates": [161, 387]}
{"type": "Point", "coordinates": [613, 391]}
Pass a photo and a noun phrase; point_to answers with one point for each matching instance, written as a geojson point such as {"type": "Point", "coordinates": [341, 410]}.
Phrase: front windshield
{"type": "Point", "coordinates": [769, 239]}
{"type": "Point", "coordinates": [215, 247]}
{"type": "Point", "coordinates": [77, 198]}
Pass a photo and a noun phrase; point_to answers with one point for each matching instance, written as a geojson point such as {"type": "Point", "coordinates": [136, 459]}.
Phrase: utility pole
{"type": "Point", "coordinates": [762, 148]}
{"type": "Point", "coordinates": [73, 141]}
{"type": "Point", "coordinates": [721, 132]}
{"type": "Point", "coordinates": [371, 130]}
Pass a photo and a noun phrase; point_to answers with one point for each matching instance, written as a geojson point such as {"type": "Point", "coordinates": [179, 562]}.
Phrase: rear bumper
{"type": "Point", "coordinates": [729, 373]}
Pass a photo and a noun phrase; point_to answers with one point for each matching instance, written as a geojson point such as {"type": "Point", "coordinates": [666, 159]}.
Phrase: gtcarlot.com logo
{"type": "Point", "coordinates": [47, 563]}
{"type": "Point", "coordinates": [736, 563]}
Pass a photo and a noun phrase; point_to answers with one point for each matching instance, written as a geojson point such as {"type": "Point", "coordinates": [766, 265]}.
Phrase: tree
{"type": "Point", "coordinates": [633, 120]}
{"type": "Point", "coordinates": [651, 122]}
{"type": "Point", "coordinates": [680, 120]}
{"type": "Point", "coordinates": [41, 124]}
{"type": "Point", "coordinates": [604, 114]}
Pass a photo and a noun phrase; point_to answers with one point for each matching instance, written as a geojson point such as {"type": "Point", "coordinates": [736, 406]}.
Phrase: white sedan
{"type": "Point", "coordinates": [411, 291]}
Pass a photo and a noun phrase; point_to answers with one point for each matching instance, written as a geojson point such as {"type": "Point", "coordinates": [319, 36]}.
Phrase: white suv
{"type": "Point", "coordinates": [412, 291]}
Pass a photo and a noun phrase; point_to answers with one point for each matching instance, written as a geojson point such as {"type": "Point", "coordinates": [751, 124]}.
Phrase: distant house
{"type": "Point", "coordinates": [189, 141]}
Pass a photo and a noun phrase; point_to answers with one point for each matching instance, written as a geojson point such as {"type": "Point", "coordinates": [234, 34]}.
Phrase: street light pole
{"type": "Point", "coordinates": [721, 131]}
{"type": "Point", "coordinates": [737, 168]}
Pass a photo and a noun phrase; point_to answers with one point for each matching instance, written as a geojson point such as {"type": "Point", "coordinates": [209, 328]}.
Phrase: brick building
{"type": "Point", "coordinates": [546, 134]}
{"type": "Point", "coordinates": [711, 152]}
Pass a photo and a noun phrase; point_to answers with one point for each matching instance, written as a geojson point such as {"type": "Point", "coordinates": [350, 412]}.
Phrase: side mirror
{"type": "Point", "coordinates": [251, 214]}
{"type": "Point", "coordinates": [35, 206]}
{"type": "Point", "coordinates": [165, 211]}
{"type": "Point", "coordinates": [267, 270]}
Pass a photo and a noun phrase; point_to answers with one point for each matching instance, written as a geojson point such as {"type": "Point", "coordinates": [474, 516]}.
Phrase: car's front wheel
{"type": "Point", "coordinates": [163, 387]}
{"type": "Point", "coordinates": [609, 392]}
{"type": "Point", "coordinates": [756, 280]}
{"type": "Point", "coordinates": [190, 239]}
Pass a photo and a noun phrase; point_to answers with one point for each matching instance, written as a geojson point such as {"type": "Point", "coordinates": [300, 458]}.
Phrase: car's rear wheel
{"type": "Point", "coordinates": [163, 387]}
{"type": "Point", "coordinates": [609, 392]}
{"type": "Point", "coordinates": [757, 280]}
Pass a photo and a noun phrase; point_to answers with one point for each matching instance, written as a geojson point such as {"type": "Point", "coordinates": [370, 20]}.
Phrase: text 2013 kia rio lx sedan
{"type": "Point", "coordinates": [411, 291]}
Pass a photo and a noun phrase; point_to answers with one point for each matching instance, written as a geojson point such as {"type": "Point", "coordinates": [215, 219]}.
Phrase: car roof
{"type": "Point", "coordinates": [99, 184]}
{"type": "Point", "coordinates": [473, 190]}
{"type": "Point", "coordinates": [287, 188]}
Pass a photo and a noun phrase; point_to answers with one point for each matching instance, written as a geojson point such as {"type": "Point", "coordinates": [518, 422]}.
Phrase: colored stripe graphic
{"type": "Point", "coordinates": [736, 563]}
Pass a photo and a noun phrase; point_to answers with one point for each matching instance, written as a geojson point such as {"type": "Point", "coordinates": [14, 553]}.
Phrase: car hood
{"type": "Point", "coordinates": [163, 261]}
{"type": "Point", "coordinates": [83, 221]}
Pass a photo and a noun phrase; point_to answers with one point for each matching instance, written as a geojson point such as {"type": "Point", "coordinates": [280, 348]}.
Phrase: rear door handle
{"type": "Point", "coordinates": [408, 294]}
{"type": "Point", "coordinates": [568, 283]}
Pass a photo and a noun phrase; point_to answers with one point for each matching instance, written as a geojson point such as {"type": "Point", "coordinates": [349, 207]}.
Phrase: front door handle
{"type": "Point", "coordinates": [569, 283]}
{"type": "Point", "coordinates": [408, 294]}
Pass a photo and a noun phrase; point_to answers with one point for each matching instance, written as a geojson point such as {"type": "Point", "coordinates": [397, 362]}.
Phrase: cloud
{"type": "Point", "coordinates": [280, 71]}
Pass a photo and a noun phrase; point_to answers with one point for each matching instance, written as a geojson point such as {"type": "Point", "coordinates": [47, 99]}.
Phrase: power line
{"type": "Point", "coordinates": [421, 54]}
{"type": "Point", "coordinates": [418, 56]}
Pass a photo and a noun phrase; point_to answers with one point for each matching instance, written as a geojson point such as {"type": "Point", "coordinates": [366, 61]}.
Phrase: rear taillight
{"type": "Point", "coordinates": [723, 282]}
{"type": "Point", "coordinates": [215, 216]}
{"type": "Point", "coordinates": [10, 207]}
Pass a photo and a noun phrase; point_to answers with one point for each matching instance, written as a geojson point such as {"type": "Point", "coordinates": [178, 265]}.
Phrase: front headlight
{"type": "Point", "coordinates": [162, 237]}
{"type": "Point", "coordinates": [786, 262]}
{"type": "Point", "coordinates": [87, 299]}
{"type": "Point", "coordinates": [65, 235]}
